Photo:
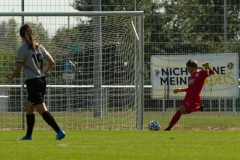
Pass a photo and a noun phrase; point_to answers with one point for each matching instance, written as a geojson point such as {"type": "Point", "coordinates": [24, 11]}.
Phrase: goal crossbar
{"type": "Point", "coordinates": [85, 13]}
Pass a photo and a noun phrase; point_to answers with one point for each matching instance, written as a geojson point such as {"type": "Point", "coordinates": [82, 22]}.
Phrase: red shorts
{"type": "Point", "coordinates": [191, 106]}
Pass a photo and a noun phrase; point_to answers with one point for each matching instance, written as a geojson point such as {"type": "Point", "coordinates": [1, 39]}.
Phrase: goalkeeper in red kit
{"type": "Point", "coordinates": [191, 102]}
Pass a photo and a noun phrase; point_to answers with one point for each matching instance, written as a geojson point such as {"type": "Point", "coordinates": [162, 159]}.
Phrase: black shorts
{"type": "Point", "coordinates": [36, 89]}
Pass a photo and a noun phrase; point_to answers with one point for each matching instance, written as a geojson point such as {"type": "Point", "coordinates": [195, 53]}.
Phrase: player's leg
{"type": "Point", "coordinates": [30, 117]}
{"type": "Point", "coordinates": [42, 110]}
{"type": "Point", "coordinates": [176, 117]}
{"type": "Point", "coordinates": [197, 107]}
{"type": "Point", "coordinates": [200, 108]}
{"type": "Point", "coordinates": [37, 88]}
{"type": "Point", "coordinates": [186, 108]}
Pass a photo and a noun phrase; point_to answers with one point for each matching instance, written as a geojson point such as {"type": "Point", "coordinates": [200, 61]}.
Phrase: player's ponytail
{"type": "Point", "coordinates": [26, 33]}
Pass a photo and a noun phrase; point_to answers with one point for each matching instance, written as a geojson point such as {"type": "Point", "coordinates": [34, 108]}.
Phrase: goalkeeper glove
{"type": "Point", "coordinates": [176, 90]}
{"type": "Point", "coordinates": [206, 65]}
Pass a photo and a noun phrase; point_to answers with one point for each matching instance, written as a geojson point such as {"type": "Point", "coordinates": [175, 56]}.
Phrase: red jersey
{"type": "Point", "coordinates": [195, 85]}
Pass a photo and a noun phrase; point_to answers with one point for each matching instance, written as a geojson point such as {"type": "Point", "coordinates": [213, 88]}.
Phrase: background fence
{"type": "Point", "coordinates": [170, 27]}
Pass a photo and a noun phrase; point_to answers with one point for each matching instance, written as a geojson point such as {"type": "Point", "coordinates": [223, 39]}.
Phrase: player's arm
{"type": "Point", "coordinates": [176, 90]}
{"type": "Point", "coordinates": [49, 65]}
{"type": "Point", "coordinates": [16, 71]}
{"type": "Point", "coordinates": [207, 66]}
{"type": "Point", "coordinates": [47, 57]}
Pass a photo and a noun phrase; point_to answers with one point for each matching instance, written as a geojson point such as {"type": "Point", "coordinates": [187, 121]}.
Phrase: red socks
{"type": "Point", "coordinates": [174, 120]}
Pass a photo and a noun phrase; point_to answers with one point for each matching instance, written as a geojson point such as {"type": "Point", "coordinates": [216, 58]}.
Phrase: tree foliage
{"type": "Point", "coordinates": [180, 26]}
{"type": "Point", "coordinates": [199, 26]}
{"type": "Point", "coordinates": [8, 47]}
{"type": "Point", "coordinates": [106, 5]}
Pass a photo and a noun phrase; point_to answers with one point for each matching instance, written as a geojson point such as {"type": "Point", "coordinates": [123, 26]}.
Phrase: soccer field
{"type": "Point", "coordinates": [114, 145]}
{"type": "Point", "coordinates": [125, 120]}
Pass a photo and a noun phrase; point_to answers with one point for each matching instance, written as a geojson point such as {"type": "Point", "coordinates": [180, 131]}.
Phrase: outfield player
{"type": "Point", "coordinates": [30, 56]}
{"type": "Point", "coordinates": [191, 102]}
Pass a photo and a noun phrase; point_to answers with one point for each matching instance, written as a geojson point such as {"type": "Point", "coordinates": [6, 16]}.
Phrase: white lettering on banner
{"type": "Point", "coordinates": [169, 72]}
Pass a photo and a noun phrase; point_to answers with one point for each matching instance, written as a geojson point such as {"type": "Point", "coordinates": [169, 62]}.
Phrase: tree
{"type": "Point", "coordinates": [8, 47]}
{"type": "Point", "coordinates": [198, 28]}
{"type": "Point", "coordinates": [174, 21]}
{"type": "Point", "coordinates": [106, 5]}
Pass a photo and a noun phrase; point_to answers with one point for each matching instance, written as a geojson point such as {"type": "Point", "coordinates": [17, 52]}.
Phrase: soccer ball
{"type": "Point", "coordinates": [154, 126]}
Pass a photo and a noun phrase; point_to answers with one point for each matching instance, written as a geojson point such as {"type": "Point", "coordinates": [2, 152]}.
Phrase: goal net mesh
{"type": "Point", "coordinates": [94, 82]}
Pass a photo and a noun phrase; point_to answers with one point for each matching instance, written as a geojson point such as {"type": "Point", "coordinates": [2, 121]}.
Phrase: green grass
{"type": "Point", "coordinates": [126, 121]}
{"type": "Point", "coordinates": [114, 145]}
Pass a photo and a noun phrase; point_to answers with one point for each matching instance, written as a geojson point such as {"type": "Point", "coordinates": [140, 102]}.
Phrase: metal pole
{"type": "Point", "coordinates": [141, 72]}
{"type": "Point", "coordinates": [68, 82]}
{"type": "Point", "coordinates": [234, 107]}
{"type": "Point", "coordinates": [97, 66]}
{"type": "Point", "coordinates": [136, 74]}
{"type": "Point", "coordinates": [136, 5]}
{"type": "Point", "coordinates": [22, 11]}
{"type": "Point", "coordinates": [225, 26]}
{"type": "Point", "coordinates": [22, 81]}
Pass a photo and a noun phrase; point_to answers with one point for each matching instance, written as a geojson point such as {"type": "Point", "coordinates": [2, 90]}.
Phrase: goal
{"type": "Point", "coordinates": [97, 80]}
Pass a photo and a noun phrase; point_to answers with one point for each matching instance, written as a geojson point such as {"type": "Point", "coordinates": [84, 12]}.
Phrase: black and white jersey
{"type": "Point", "coordinates": [32, 60]}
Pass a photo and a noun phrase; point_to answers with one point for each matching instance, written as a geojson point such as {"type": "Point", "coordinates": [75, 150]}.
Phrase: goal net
{"type": "Point", "coordinates": [95, 82]}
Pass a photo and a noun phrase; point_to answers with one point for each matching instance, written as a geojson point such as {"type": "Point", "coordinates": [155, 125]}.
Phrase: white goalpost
{"type": "Point", "coordinates": [97, 80]}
